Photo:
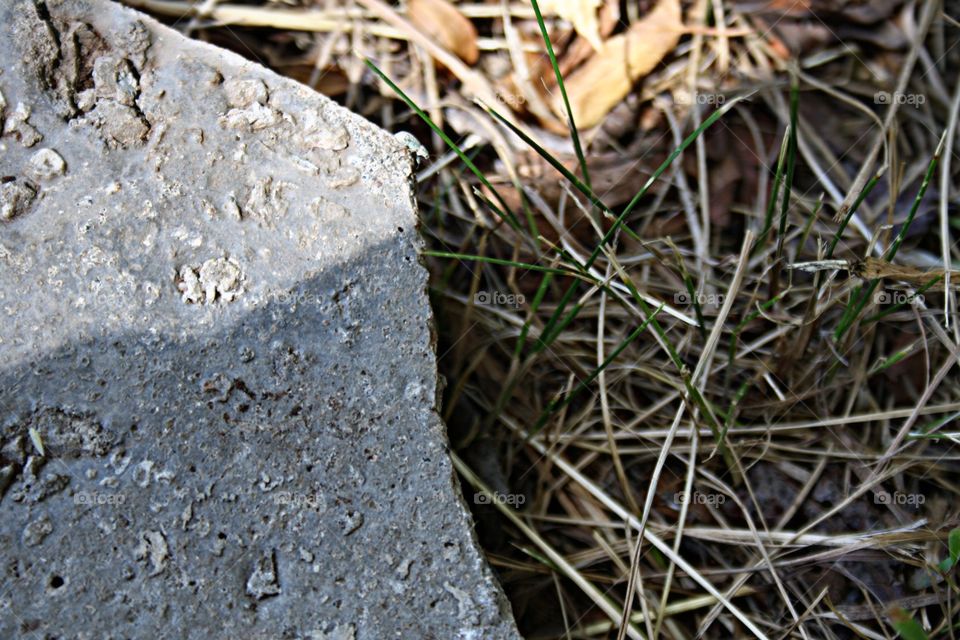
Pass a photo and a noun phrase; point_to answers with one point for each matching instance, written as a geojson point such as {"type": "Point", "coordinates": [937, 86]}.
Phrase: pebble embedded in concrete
{"type": "Point", "coordinates": [47, 164]}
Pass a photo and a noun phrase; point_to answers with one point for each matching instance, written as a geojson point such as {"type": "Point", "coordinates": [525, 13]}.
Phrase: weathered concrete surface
{"type": "Point", "coordinates": [217, 381]}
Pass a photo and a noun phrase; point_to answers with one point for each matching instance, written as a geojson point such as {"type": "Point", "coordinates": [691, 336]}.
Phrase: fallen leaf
{"type": "Point", "coordinates": [582, 14]}
{"type": "Point", "coordinates": [607, 77]}
{"type": "Point", "coordinates": [442, 21]}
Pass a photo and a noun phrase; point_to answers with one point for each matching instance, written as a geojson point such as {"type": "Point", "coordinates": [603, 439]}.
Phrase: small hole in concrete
{"type": "Point", "coordinates": [56, 582]}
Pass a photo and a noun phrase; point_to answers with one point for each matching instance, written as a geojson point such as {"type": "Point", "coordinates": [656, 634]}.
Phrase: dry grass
{"type": "Point", "coordinates": [810, 422]}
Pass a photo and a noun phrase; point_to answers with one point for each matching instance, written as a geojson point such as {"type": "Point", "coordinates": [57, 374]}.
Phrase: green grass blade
{"type": "Point", "coordinates": [853, 209]}
{"type": "Point", "coordinates": [791, 163]}
{"type": "Point", "coordinates": [858, 301]}
{"type": "Point", "coordinates": [690, 139]}
{"type": "Point", "coordinates": [574, 134]}
{"type": "Point", "coordinates": [551, 160]}
{"type": "Point", "coordinates": [886, 362]}
{"type": "Point", "coordinates": [774, 193]}
{"type": "Point", "coordinates": [547, 338]}
{"type": "Point", "coordinates": [504, 217]}
{"type": "Point", "coordinates": [510, 217]}
{"type": "Point", "coordinates": [906, 626]}
{"type": "Point", "coordinates": [916, 201]}
{"type": "Point", "coordinates": [853, 310]}
{"type": "Point", "coordinates": [735, 337]}
{"type": "Point", "coordinates": [559, 403]}
{"type": "Point", "coordinates": [737, 397]}
{"type": "Point", "coordinates": [543, 342]}
{"type": "Point", "coordinates": [534, 307]}
{"type": "Point", "coordinates": [953, 544]}
{"type": "Point", "coordinates": [580, 186]}
{"type": "Point", "coordinates": [809, 226]}
{"type": "Point", "coordinates": [939, 422]}
{"type": "Point", "coordinates": [498, 261]}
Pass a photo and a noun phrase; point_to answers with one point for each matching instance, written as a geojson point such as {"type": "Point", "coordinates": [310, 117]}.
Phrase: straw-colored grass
{"type": "Point", "coordinates": [711, 343]}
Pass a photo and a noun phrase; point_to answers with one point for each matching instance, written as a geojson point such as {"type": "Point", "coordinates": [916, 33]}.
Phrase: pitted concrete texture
{"type": "Point", "coordinates": [217, 375]}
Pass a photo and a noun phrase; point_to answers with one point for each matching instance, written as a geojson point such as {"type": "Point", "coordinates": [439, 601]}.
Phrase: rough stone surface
{"type": "Point", "coordinates": [217, 378]}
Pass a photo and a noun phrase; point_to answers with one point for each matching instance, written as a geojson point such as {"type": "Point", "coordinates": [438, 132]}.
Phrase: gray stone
{"type": "Point", "coordinates": [46, 164]}
{"type": "Point", "coordinates": [217, 375]}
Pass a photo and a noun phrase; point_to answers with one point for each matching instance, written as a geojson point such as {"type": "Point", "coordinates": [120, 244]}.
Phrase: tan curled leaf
{"type": "Point", "coordinates": [607, 77]}
{"type": "Point", "coordinates": [444, 23]}
{"type": "Point", "coordinates": [582, 14]}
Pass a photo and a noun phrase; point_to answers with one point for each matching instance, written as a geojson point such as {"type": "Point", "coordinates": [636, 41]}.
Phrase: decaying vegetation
{"type": "Point", "coordinates": [700, 339]}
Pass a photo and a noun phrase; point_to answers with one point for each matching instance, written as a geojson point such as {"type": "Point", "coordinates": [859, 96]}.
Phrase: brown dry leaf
{"type": "Point", "coordinates": [607, 77]}
{"type": "Point", "coordinates": [582, 14]}
{"type": "Point", "coordinates": [451, 29]}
